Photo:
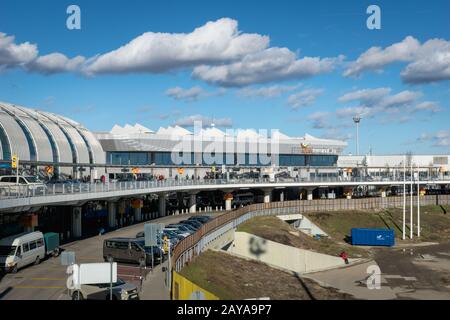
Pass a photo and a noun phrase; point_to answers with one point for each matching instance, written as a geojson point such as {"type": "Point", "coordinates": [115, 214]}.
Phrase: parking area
{"type": "Point", "coordinates": [47, 281]}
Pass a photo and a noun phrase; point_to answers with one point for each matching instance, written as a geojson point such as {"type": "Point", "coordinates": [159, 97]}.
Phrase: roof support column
{"type": "Point", "coordinates": [76, 222]}
{"type": "Point", "coordinates": [267, 195]}
{"type": "Point", "coordinates": [162, 204]}
{"type": "Point", "coordinates": [112, 222]}
{"type": "Point", "coordinates": [192, 202]}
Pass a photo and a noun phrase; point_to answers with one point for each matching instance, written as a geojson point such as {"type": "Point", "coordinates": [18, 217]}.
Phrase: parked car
{"type": "Point", "coordinates": [174, 238]}
{"type": "Point", "coordinates": [196, 224]}
{"type": "Point", "coordinates": [27, 248]}
{"type": "Point", "coordinates": [131, 250]}
{"type": "Point", "coordinates": [182, 227]}
{"type": "Point", "coordinates": [121, 290]}
{"type": "Point", "coordinates": [202, 219]}
{"type": "Point", "coordinates": [179, 232]}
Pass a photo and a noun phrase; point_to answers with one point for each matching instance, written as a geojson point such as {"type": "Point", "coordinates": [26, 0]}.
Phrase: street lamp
{"type": "Point", "coordinates": [357, 120]}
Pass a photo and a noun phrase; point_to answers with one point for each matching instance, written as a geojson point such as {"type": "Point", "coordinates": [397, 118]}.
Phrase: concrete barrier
{"type": "Point", "coordinates": [282, 256]}
{"type": "Point", "coordinates": [303, 224]}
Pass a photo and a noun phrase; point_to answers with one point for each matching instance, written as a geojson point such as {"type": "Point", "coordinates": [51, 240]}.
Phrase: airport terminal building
{"type": "Point", "coordinates": [199, 151]}
{"type": "Point", "coordinates": [46, 138]}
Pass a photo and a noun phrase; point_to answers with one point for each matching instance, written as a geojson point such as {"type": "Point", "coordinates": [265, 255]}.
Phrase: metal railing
{"type": "Point", "coordinates": [26, 191]}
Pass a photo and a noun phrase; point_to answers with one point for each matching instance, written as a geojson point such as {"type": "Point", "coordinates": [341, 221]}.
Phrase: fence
{"type": "Point", "coordinates": [197, 242]}
{"type": "Point", "coordinates": [14, 191]}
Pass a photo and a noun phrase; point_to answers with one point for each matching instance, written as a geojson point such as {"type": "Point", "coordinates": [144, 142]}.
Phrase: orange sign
{"type": "Point", "coordinates": [135, 170]}
{"type": "Point", "coordinates": [180, 170]}
{"type": "Point", "coordinates": [228, 196]}
{"type": "Point", "coordinates": [306, 148]}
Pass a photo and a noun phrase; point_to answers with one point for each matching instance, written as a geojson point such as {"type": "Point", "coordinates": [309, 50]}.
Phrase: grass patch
{"type": "Point", "coordinates": [234, 278]}
{"type": "Point", "coordinates": [275, 229]}
{"type": "Point", "coordinates": [435, 224]}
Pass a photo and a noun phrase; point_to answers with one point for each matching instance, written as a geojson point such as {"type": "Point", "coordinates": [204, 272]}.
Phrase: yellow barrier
{"type": "Point", "coordinates": [183, 289]}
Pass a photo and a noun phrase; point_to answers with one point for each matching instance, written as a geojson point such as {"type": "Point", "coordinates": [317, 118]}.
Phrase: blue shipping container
{"type": "Point", "coordinates": [373, 237]}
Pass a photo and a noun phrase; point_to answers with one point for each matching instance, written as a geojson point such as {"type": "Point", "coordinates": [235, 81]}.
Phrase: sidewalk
{"type": "Point", "coordinates": [154, 287]}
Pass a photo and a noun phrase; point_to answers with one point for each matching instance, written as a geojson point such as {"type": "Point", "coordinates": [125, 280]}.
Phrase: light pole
{"type": "Point", "coordinates": [357, 120]}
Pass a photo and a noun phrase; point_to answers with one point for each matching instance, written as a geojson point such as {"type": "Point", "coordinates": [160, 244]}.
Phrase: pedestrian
{"type": "Point", "coordinates": [344, 256]}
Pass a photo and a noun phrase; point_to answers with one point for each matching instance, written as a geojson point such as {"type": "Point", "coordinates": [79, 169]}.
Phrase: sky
{"type": "Point", "coordinates": [296, 66]}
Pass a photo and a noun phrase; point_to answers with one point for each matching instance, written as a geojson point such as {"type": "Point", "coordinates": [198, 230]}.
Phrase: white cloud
{"type": "Point", "coordinates": [304, 98]}
{"type": "Point", "coordinates": [55, 63]}
{"type": "Point", "coordinates": [14, 55]}
{"type": "Point", "coordinates": [428, 62]}
{"type": "Point", "coordinates": [206, 121]}
{"type": "Point", "coordinates": [376, 58]}
{"type": "Point", "coordinates": [366, 96]}
{"type": "Point", "coordinates": [379, 100]}
{"type": "Point", "coordinates": [336, 133]}
{"type": "Point", "coordinates": [439, 139]}
{"type": "Point", "coordinates": [320, 119]}
{"type": "Point", "coordinates": [215, 42]}
{"type": "Point", "coordinates": [432, 63]}
{"type": "Point", "coordinates": [218, 52]}
{"type": "Point", "coordinates": [431, 106]}
{"type": "Point", "coordinates": [267, 92]}
{"type": "Point", "coordinates": [191, 94]}
{"type": "Point", "coordinates": [349, 112]}
{"type": "Point", "coordinates": [265, 66]}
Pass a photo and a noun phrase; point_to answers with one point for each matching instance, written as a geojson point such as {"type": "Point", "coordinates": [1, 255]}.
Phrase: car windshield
{"type": "Point", "coordinates": [32, 179]}
{"type": "Point", "coordinates": [119, 282]}
{"type": "Point", "coordinates": [7, 250]}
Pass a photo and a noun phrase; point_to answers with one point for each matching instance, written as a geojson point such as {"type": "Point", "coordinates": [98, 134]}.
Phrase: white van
{"type": "Point", "coordinates": [21, 250]}
{"type": "Point", "coordinates": [8, 184]}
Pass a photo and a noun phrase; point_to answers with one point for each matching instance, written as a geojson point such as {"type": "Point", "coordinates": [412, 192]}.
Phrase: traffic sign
{"type": "Point", "coordinates": [14, 161]}
{"type": "Point", "coordinates": [151, 234]}
{"type": "Point", "coordinates": [67, 258]}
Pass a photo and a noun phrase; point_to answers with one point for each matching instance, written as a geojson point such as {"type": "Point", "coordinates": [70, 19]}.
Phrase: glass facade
{"type": "Point", "coordinates": [165, 158]}
{"type": "Point", "coordinates": [5, 145]}
{"type": "Point", "coordinates": [31, 145]}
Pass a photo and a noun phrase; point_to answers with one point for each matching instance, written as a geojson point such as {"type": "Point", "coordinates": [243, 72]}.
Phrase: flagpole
{"type": "Point", "coordinates": [404, 198]}
{"type": "Point", "coordinates": [418, 201]}
{"type": "Point", "coordinates": [411, 209]}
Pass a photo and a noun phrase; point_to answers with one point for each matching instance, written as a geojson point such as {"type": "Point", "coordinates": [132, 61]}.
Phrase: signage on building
{"type": "Point", "coordinates": [306, 148]}
{"type": "Point", "coordinates": [228, 196]}
{"type": "Point", "coordinates": [135, 170]}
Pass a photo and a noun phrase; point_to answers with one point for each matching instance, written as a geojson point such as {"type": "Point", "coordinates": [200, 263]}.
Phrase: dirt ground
{"type": "Point", "coordinates": [234, 278]}
{"type": "Point", "coordinates": [275, 229]}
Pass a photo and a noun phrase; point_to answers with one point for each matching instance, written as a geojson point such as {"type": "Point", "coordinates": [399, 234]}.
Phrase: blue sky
{"type": "Point", "coordinates": [295, 66]}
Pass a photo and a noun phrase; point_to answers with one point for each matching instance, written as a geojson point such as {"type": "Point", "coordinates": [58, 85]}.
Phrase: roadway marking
{"type": "Point", "coordinates": [39, 287]}
{"type": "Point", "coordinates": [48, 279]}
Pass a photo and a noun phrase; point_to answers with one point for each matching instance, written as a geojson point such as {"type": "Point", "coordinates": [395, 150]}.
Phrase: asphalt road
{"type": "Point", "coordinates": [47, 281]}
{"type": "Point", "coordinates": [417, 272]}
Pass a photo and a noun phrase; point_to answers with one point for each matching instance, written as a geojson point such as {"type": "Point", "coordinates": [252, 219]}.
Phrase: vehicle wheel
{"type": "Point", "coordinates": [77, 296]}
{"type": "Point", "coordinates": [56, 252]}
{"type": "Point", "coordinates": [37, 261]}
{"type": "Point", "coordinates": [14, 270]}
